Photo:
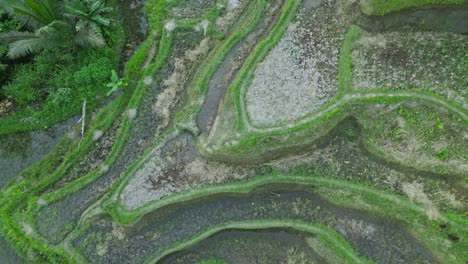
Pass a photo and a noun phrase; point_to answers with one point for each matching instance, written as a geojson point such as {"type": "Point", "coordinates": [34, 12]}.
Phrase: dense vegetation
{"type": "Point", "coordinates": [372, 175]}
{"type": "Point", "coordinates": [58, 53]}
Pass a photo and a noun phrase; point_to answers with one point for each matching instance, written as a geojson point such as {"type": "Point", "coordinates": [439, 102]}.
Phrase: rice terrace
{"type": "Point", "coordinates": [234, 131]}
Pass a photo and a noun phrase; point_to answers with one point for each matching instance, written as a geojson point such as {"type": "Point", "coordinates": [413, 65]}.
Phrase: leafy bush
{"type": "Point", "coordinates": [92, 78]}
{"type": "Point", "coordinates": [7, 23]}
{"type": "Point", "coordinates": [23, 89]}
{"type": "Point", "coordinates": [2, 52]}
{"type": "Point", "coordinates": [58, 74]}
{"type": "Point", "coordinates": [51, 86]}
{"type": "Point", "coordinates": [60, 98]}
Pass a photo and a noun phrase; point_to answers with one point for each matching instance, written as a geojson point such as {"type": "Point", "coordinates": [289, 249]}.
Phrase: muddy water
{"type": "Point", "coordinates": [7, 254]}
{"type": "Point", "coordinates": [135, 24]}
{"type": "Point", "coordinates": [20, 150]}
{"type": "Point", "coordinates": [439, 19]}
{"type": "Point", "coordinates": [232, 64]}
{"type": "Point", "coordinates": [342, 153]}
{"type": "Point", "coordinates": [55, 221]}
{"type": "Point", "coordinates": [311, 3]}
{"type": "Point", "coordinates": [367, 234]}
{"type": "Point", "coordinates": [239, 247]}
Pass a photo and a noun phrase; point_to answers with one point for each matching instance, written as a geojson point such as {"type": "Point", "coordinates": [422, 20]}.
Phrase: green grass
{"type": "Point", "coordinates": [345, 73]}
{"type": "Point", "coordinates": [335, 241]}
{"type": "Point", "coordinates": [198, 87]}
{"type": "Point", "coordinates": [383, 7]}
{"type": "Point", "coordinates": [14, 196]}
{"type": "Point", "coordinates": [19, 200]}
{"type": "Point", "coordinates": [245, 75]}
{"type": "Point", "coordinates": [50, 89]}
{"type": "Point", "coordinates": [340, 192]}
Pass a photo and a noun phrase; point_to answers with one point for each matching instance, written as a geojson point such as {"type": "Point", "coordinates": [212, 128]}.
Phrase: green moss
{"type": "Point", "coordinates": [383, 7]}
{"type": "Point", "coordinates": [245, 75]}
{"type": "Point", "coordinates": [331, 237]}
{"type": "Point", "coordinates": [339, 192]}
{"type": "Point", "coordinates": [345, 74]}
{"type": "Point", "coordinates": [208, 67]}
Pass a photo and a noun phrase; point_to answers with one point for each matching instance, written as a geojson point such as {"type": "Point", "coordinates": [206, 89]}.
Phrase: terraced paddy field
{"type": "Point", "coordinates": [261, 131]}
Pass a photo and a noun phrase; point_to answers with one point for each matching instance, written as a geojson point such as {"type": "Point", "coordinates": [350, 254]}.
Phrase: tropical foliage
{"type": "Point", "coordinates": [3, 49]}
{"type": "Point", "coordinates": [115, 83]}
{"type": "Point", "coordinates": [75, 44]}
{"type": "Point", "coordinates": [7, 23]}
{"type": "Point", "coordinates": [54, 24]}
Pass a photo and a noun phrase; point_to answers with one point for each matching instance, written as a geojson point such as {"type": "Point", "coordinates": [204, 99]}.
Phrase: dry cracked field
{"type": "Point", "coordinates": [260, 131]}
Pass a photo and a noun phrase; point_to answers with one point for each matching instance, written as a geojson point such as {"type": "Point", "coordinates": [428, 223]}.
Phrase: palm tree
{"type": "Point", "coordinates": [34, 14]}
{"type": "Point", "coordinates": [50, 27]}
{"type": "Point", "coordinates": [89, 14]}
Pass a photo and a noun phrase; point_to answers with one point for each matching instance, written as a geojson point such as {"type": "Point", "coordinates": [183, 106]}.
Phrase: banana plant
{"type": "Point", "coordinates": [89, 13]}
{"type": "Point", "coordinates": [115, 83]}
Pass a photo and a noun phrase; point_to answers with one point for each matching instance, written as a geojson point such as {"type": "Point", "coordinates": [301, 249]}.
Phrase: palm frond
{"type": "Point", "coordinates": [29, 46]}
{"type": "Point", "coordinates": [19, 11]}
{"type": "Point", "coordinates": [3, 49]}
{"type": "Point", "coordinates": [34, 13]}
{"type": "Point", "coordinates": [75, 11]}
{"type": "Point", "coordinates": [96, 6]}
{"type": "Point", "coordinates": [12, 36]}
{"type": "Point", "coordinates": [48, 10]}
{"type": "Point", "coordinates": [56, 29]}
{"type": "Point", "coordinates": [101, 20]}
{"type": "Point", "coordinates": [89, 37]}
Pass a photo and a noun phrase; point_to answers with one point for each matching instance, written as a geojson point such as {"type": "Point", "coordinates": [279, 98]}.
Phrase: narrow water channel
{"type": "Point", "coordinates": [20, 150]}
{"type": "Point", "coordinates": [106, 242]}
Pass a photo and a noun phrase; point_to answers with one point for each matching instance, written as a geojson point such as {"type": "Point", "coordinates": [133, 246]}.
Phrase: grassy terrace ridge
{"type": "Point", "coordinates": [20, 200]}
{"type": "Point", "coordinates": [336, 242]}
{"type": "Point", "coordinates": [124, 216]}
{"type": "Point", "coordinates": [27, 120]}
{"type": "Point", "coordinates": [383, 7]}
{"type": "Point", "coordinates": [251, 139]}
{"type": "Point", "coordinates": [13, 196]}
{"type": "Point", "coordinates": [331, 237]}
{"type": "Point", "coordinates": [14, 231]}
{"type": "Point", "coordinates": [198, 87]}
{"type": "Point", "coordinates": [375, 202]}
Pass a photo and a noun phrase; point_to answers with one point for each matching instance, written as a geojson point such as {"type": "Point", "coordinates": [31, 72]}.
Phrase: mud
{"type": "Point", "coordinates": [20, 150]}
{"type": "Point", "coordinates": [432, 19]}
{"type": "Point", "coordinates": [55, 221]}
{"type": "Point", "coordinates": [232, 64]}
{"type": "Point", "coordinates": [106, 242]}
{"type": "Point", "coordinates": [131, 13]}
{"type": "Point", "coordinates": [7, 254]}
{"type": "Point", "coordinates": [238, 247]}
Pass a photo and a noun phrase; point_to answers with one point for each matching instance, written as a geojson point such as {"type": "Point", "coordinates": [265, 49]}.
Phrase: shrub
{"type": "Point", "coordinates": [23, 89]}
{"type": "Point", "coordinates": [91, 79]}
{"type": "Point", "coordinates": [94, 73]}
{"type": "Point", "coordinates": [59, 99]}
